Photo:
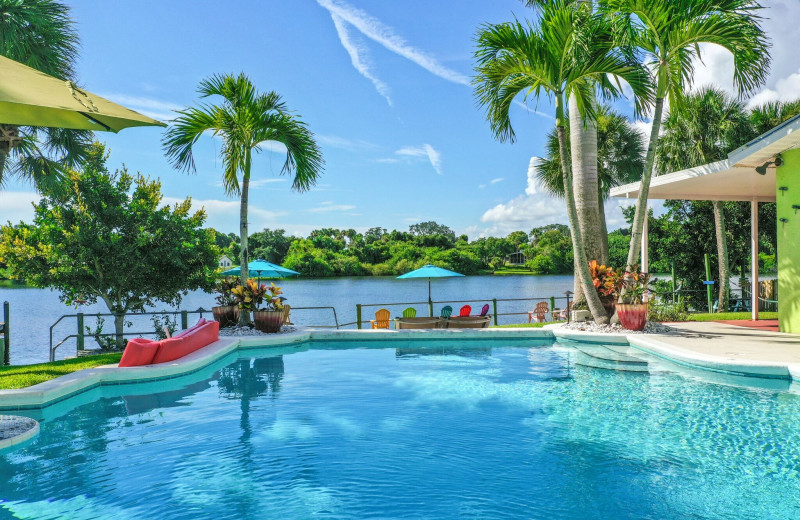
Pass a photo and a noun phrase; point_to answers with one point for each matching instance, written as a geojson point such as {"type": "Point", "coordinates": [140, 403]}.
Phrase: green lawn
{"type": "Point", "coordinates": [28, 375]}
{"type": "Point", "coordinates": [523, 325]}
{"type": "Point", "coordinates": [726, 316]}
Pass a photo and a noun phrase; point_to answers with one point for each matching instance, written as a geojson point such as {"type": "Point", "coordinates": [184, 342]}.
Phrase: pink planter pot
{"type": "Point", "coordinates": [632, 316]}
{"type": "Point", "coordinates": [268, 321]}
{"type": "Point", "coordinates": [227, 316]}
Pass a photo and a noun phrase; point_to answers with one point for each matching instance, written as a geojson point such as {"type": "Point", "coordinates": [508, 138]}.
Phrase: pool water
{"type": "Point", "coordinates": [510, 429]}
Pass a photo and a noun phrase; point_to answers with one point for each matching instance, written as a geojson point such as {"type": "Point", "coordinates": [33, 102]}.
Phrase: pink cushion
{"type": "Point", "coordinates": [139, 351]}
{"type": "Point", "coordinates": [201, 321]}
{"type": "Point", "coordinates": [179, 346]}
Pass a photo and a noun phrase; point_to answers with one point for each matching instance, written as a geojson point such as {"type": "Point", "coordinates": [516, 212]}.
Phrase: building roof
{"type": "Point", "coordinates": [734, 178]}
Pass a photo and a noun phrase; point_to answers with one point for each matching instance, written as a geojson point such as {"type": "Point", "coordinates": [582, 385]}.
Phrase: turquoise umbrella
{"type": "Point", "coordinates": [430, 271]}
{"type": "Point", "coordinates": [262, 269]}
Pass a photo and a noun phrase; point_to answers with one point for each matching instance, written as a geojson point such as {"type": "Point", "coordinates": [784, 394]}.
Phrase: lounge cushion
{"type": "Point", "coordinates": [139, 351]}
{"type": "Point", "coordinates": [177, 347]}
{"type": "Point", "coordinates": [184, 332]}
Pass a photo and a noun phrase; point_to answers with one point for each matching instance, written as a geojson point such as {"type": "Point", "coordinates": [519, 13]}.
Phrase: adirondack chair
{"type": "Point", "coordinates": [286, 310]}
{"type": "Point", "coordinates": [465, 310]}
{"type": "Point", "coordinates": [561, 314]}
{"type": "Point", "coordinates": [539, 312]}
{"type": "Point", "coordinates": [447, 311]}
{"type": "Point", "coordinates": [381, 321]}
{"type": "Point", "coordinates": [485, 309]}
{"type": "Point", "coordinates": [411, 312]}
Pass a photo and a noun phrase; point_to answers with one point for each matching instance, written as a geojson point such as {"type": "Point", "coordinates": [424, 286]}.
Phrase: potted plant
{"type": "Point", "coordinates": [226, 312]}
{"type": "Point", "coordinates": [608, 282]}
{"type": "Point", "coordinates": [633, 301]}
{"type": "Point", "coordinates": [269, 318]}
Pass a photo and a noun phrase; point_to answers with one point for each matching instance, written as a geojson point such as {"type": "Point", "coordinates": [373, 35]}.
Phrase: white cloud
{"type": "Point", "coordinates": [155, 108]}
{"type": "Point", "coordinates": [786, 89]}
{"type": "Point", "coordinates": [387, 160]}
{"type": "Point", "coordinates": [224, 214]}
{"type": "Point", "coordinates": [425, 150]}
{"type": "Point", "coordinates": [16, 206]}
{"type": "Point", "coordinates": [334, 141]}
{"type": "Point", "coordinates": [359, 57]}
{"type": "Point", "coordinates": [498, 179]}
{"type": "Point", "coordinates": [274, 147]}
{"type": "Point", "coordinates": [530, 188]}
{"type": "Point", "coordinates": [329, 206]}
{"type": "Point", "coordinates": [384, 35]}
{"type": "Point", "coordinates": [481, 186]}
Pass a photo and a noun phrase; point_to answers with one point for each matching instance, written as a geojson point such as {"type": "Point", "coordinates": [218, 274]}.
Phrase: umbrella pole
{"type": "Point", "coordinates": [430, 302]}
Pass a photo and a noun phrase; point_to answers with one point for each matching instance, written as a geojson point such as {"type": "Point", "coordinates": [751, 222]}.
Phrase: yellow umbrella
{"type": "Point", "coordinates": [29, 97]}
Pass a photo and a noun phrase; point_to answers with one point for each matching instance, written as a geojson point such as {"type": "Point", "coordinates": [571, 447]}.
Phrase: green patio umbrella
{"type": "Point", "coordinates": [29, 97]}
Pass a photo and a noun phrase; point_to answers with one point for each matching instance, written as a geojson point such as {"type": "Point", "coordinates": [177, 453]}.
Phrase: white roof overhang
{"type": "Point", "coordinates": [734, 178]}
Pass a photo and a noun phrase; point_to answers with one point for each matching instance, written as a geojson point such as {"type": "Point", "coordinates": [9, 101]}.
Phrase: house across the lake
{"type": "Point", "coordinates": [225, 262]}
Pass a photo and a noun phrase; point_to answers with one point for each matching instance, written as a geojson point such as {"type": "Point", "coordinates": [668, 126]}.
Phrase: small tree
{"type": "Point", "coordinates": [110, 238]}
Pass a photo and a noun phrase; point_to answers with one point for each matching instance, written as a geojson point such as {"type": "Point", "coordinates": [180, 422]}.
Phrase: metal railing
{"type": "Point", "coordinates": [494, 309]}
{"type": "Point", "coordinates": [81, 333]}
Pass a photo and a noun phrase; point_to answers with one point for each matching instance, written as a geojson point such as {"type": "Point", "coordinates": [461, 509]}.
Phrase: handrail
{"type": "Point", "coordinates": [81, 334]}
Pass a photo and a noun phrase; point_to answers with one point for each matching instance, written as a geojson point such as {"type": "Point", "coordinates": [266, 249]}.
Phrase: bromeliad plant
{"type": "Point", "coordinates": [607, 281]}
{"type": "Point", "coordinates": [272, 301]}
{"type": "Point", "coordinates": [249, 295]}
{"type": "Point", "coordinates": [224, 289]}
{"type": "Point", "coordinates": [635, 288]}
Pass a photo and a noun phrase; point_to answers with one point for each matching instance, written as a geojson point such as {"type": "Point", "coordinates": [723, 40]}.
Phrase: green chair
{"type": "Point", "coordinates": [447, 311]}
{"type": "Point", "coordinates": [411, 312]}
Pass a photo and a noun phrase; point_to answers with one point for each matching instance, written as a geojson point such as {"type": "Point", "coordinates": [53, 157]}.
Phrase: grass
{"type": "Point", "coordinates": [524, 325]}
{"type": "Point", "coordinates": [28, 375]}
{"type": "Point", "coordinates": [730, 316]}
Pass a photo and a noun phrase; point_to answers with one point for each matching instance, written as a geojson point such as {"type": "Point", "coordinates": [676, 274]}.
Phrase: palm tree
{"type": "Point", "coordinates": [244, 120]}
{"type": "Point", "coordinates": [767, 116]}
{"type": "Point", "coordinates": [667, 35]}
{"type": "Point", "coordinates": [707, 126]}
{"type": "Point", "coordinates": [620, 158]}
{"type": "Point", "coordinates": [40, 34]}
{"type": "Point", "coordinates": [569, 52]}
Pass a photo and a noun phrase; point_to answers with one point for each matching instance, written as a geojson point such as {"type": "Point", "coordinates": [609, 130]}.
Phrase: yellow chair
{"type": "Point", "coordinates": [286, 310]}
{"type": "Point", "coordinates": [382, 318]}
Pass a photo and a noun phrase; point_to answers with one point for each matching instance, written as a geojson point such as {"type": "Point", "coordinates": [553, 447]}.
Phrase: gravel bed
{"type": "Point", "coordinates": [250, 331]}
{"type": "Point", "coordinates": [650, 328]}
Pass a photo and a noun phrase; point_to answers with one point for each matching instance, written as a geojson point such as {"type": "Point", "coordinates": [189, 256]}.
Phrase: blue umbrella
{"type": "Point", "coordinates": [430, 271]}
{"type": "Point", "coordinates": [262, 269]}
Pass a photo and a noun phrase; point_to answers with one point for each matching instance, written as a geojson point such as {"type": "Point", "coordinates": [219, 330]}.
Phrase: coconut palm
{"type": "Point", "coordinates": [767, 116]}
{"type": "Point", "coordinates": [40, 34]}
{"type": "Point", "coordinates": [243, 121]}
{"type": "Point", "coordinates": [620, 157]}
{"type": "Point", "coordinates": [569, 52]}
{"type": "Point", "coordinates": [667, 35]}
{"type": "Point", "coordinates": [707, 126]}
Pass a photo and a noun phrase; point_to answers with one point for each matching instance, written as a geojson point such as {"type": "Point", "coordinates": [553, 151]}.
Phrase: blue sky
{"type": "Point", "coordinates": [383, 85]}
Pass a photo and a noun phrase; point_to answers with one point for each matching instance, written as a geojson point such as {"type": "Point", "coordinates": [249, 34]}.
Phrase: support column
{"type": "Point", "coordinates": [645, 267]}
{"type": "Point", "coordinates": [754, 258]}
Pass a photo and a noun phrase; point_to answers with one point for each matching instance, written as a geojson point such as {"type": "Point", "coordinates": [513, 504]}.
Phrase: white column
{"type": "Point", "coordinates": [754, 258]}
{"type": "Point", "coordinates": [645, 244]}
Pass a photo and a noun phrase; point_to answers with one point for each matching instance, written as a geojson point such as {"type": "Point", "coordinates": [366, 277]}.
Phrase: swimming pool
{"type": "Point", "coordinates": [423, 429]}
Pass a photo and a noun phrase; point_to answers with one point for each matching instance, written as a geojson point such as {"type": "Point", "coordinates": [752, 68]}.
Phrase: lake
{"type": "Point", "coordinates": [33, 311]}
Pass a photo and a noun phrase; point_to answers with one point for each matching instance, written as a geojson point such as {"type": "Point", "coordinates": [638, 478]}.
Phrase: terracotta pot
{"type": "Point", "coordinates": [632, 316]}
{"type": "Point", "coordinates": [227, 316]}
{"type": "Point", "coordinates": [268, 321]}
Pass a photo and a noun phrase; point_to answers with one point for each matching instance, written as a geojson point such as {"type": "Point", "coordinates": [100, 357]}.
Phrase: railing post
{"type": "Point", "coordinates": [552, 307]}
{"type": "Point", "coordinates": [568, 293]}
{"type": "Point", "coordinates": [358, 315]}
{"type": "Point", "coordinates": [6, 335]}
{"type": "Point", "coordinates": [430, 309]}
{"type": "Point", "coordinates": [184, 320]}
{"type": "Point", "coordinates": [494, 310]}
{"type": "Point", "coordinates": [80, 332]}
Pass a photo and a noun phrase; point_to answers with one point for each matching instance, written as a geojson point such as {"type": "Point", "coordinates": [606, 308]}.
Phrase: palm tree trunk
{"type": "Point", "coordinates": [641, 202]}
{"type": "Point", "coordinates": [244, 256]}
{"type": "Point", "coordinates": [722, 255]}
{"type": "Point", "coordinates": [604, 258]}
{"type": "Point", "coordinates": [579, 251]}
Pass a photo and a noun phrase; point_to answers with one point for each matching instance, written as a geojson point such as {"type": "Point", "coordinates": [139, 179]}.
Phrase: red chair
{"type": "Point", "coordinates": [465, 310]}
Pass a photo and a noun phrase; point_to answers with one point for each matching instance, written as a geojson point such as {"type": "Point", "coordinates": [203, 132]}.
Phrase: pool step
{"type": "Point", "coordinates": [599, 356]}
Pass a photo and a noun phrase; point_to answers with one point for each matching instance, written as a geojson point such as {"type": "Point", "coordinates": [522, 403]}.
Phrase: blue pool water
{"type": "Point", "coordinates": [518, 429]}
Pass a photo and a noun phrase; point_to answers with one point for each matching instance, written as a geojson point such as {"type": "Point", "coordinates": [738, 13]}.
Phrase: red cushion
{"type": "Point", "coordinates": [201, 321]}
{"type": "Point", "coordinates": [177, 347]}
{"type": "Point", "coordinates": [139, 351]}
